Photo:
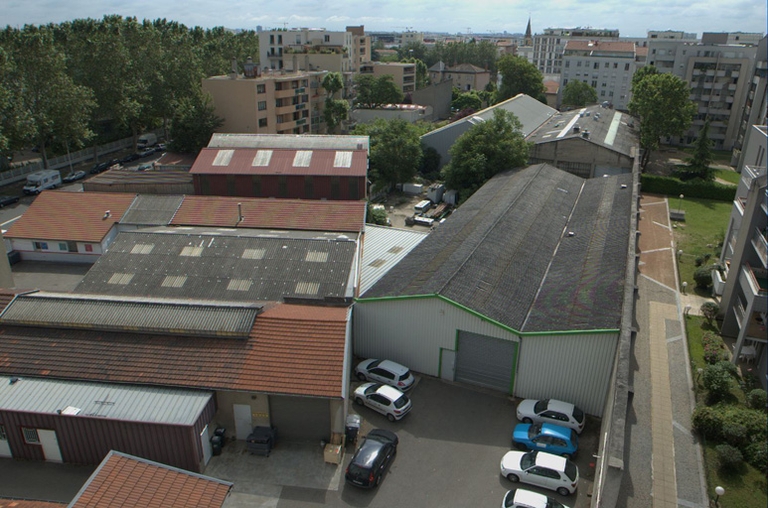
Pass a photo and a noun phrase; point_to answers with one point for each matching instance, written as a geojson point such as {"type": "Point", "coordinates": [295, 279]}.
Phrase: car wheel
{"type": "Point", "coordinates": [359, 401]}
{"type": "Point", "coordinates": [563, 491]}
{"type": "Point", "coordinates": [361, 376]}
{"type": "Point", "coordinates": [513, 478]}
{"type": "Point", "coordinates": [527, 420]}
{"type": "Point", "coordinates": [378, 480]}
{"type": "Point", "coordinates": [391, 417]}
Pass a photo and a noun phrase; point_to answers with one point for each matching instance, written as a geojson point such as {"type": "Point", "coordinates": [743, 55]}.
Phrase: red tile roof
{"type": "Point", "coordinates": [123, 480]}
{"type": "Point", "coordinates": [280, 163]}
{"type": "Point", "coordinates": [71, 216]}
{"type": "Point", "coordinates": [19, 503]}
{"type": "Point", "coordinates": [292, 349]}
{"type": "Point", "coordinates": [551, 86]}
{"type": "Point", "coordinates": [294, 214]}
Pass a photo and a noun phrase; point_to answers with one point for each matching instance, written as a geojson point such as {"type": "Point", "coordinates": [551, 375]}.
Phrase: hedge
{"type": "Point", "coordinates": [669, 186]}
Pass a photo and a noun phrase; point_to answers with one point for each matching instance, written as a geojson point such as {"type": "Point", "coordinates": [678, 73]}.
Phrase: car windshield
{"type": "Point", "coordinates": [541, 406]}
{"type": "Point", "coordinates": [400, 402]}
{"type": "Point", "coordinates": [374, 364]}
{"type": "Point", "coordinates": [534, 430]}
{"type": "Point", "coordinates": [551, 503]}
{"type": "Point", "coordinates": [406, 375]}
{"type": "Point", "coordinates": [528, 460]}
{"type": "Point", "coordinates": [357, 471]}
{"type": "Point", "coordinates": [578, 414]}
{"type": "Point", "coordinates": [371, 389]}
{"type": "Point", "coordinates": [570, 470]}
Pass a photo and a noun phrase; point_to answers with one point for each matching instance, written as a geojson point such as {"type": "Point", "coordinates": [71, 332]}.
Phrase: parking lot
{"type": "Point", "coordinates": [451, 444]}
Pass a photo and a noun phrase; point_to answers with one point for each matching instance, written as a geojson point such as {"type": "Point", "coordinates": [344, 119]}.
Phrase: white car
{"type": "Point", "coordinates": [386, 372]}
{"type": "Point", "coordinates": [551, 411]}
{"type": "Point", "coordinates": [384, 399]}
{"type": "Point", "coordinates": [542, 469]}
{"type": "Point", "coordinates": [521, 498]}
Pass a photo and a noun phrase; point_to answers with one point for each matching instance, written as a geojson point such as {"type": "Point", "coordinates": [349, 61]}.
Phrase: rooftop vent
{"type": "Point", "coordinates": [576, 128]}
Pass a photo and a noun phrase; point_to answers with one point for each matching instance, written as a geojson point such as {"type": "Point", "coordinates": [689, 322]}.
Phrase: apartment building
{"type": "Point", "coordinates": [548, 47]}
{"type": "Point", "coordinates": [719, 74]}
{"type": "Point", "coordinates": [743, 280]}
{"type": "Point", "coordinates": [361, 46]}
{"type": "Point", "coordinates": [269, 102]}
{"type": "Point", "coordinates": [755, 108]}
{"type": "Point", "coordinates": [308, 49]}
{"type": "Point", "coordinates": [403, 74]}
{"type": "Point", "coordinates": [607, 66]}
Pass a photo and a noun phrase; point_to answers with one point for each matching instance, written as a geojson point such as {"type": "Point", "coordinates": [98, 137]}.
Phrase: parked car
{"type": "Point", "coordinates": [101, 167]}
{"type": "Point", "coordinates": [546, 437]}
{"type": "Point", "coordinates": [385, 371]}
{"type": "Point", "coordinates": [551, 411]}
{"type": "Point", "coordinates": [144, 167]}
{"type": "Point", "coordinates": [384, 399]}
{"type": "Point", "coordinates": [146, 152]}
{"type": "Point", "coordinates": [541, 469]}
{"type": "Point", "coordinates": [73, 177]}
{"type": "Point", "coordinates": [371, 460]}
{"type": "Point", "coordinates": [160, 147]}
{"type": "Point", "coordinates": [8, 200]}
{"type": "Point", "coordinates": [521, 498]}
{"type": "Point", "coordinates": [130, 158]}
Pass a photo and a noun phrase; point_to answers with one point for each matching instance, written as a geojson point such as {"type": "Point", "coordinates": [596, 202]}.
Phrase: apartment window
{"type": "Point", "coordinates": [261, 88]}
{"type": "Point", "coordinates": [327, 38]}
{"type": "Point", "coordinates": [262, 105]}
{"type": "Point", "coordinates": [272, 39]}
{"type": "Point", "coordinates": [279, 39]}
{"type": "Point", "coordinates": [653, 51]}
{"type": "Point", "coordinates": [30, 435]}
{"type": "Point", "coordinates": [565, 82]}
{"type": "Point", "coordinates": [606, 65]}
{"type": "Point", "coordinates": [615, 65]}
{"type": "Point", "coordinates": [41, 245]}
{"type": "Point", "coordinates": [578, 64]}
{"type": "Point", "coordinates": [602, 93]}
{"type": "Point", "coordinates": [594, 84]}
{"type": "Point", "coordinates": [610, 94]}
{"type": "Point", "coordinates": [88, 247]}
{"type": "Point", "coordinates": [626, 67]}
{"type": "Point", "coordinates": [262, 122]}
{"type": "Point", "coordinates": [567, 63]}
{"type": "Point", "coordinates": [603, 85]}
{"type": "Point", "coordinates": [596, 65]}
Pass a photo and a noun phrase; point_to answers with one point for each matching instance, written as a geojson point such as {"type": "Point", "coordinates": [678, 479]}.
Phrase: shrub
{"type": "Point", "coordinates": [757, 455]}
{"type": "Point", "coordinates": [728, 456]}
{"type": "Point", "coordinates": [655, 184]}
{"type": "Point", "coordinates": [757, 399]}
{"type": "Point", "coordinates": [703, 277]}
{"type": "Point", "coordinates": [735, 434]}
{"type": "Point", "coordinates": [699, 260]}
{"type": "Point", "coordinates": [708, 422]}
{"type": "Point", "coordinates": [714, 348]}
{"type": "Point", "coordinates": [729, 368]}
{"type": "Point", "coordinates": [717, 381]}
{"type": "Point", "coordinates": [709, 309]}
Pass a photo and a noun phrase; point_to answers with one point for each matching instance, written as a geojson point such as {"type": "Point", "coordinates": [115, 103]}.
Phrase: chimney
{"type": "Point", "coordinates": [249, 68]}
{"type": "Point", "coordinates": [233, 73]}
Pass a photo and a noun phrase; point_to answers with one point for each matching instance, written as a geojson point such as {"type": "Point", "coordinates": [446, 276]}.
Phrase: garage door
{"type": "Point", "coordinates": [486, 361]}
{"type": "Point", "coordinates": [300, 418]}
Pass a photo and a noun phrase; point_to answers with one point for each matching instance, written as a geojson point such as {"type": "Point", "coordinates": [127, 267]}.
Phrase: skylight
{"type": "Point", "coordinates": [174, 281]}
{"type": "Point", "coordinates": [120, 278]}
{"type": "Point", "coordinates": [307, 288]}
{"type": "Point", "coordinates": [262, 158]}
{"type": "Point", "coordinates": [142, 248]}
{"type": "Point", "coordinates": [316, 257]}
{"type": "Point", "coordinates": [223, 157]}
{"type": "Point", "coordinates": [342, 160]}
{"type": "Point", "coordinates": [254, 253]}
{"type": "Point", "coordinates": [302, 158]}
{"type": "Point", "coordinates": [239, 285]}
{"type": "Point", "coordinates": [191, 251]}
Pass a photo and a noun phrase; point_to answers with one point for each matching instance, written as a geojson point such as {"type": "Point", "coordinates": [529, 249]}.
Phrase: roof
{"type": "Point", "coordinates": [550, 461]}
{"type": "Point", "coordinates": [125, 480]}
{"type": "Point", "coordinates": [289, 162]}
{"type": "Point", "coordinates": [286, 214]}
{"type": "Point", "coordinates": [289, 141]}
{"type": "Point", "coordinates": [168, 406]}
{"type": "Point", "coordinates": [119, 178]}
{"type": "Point", "coordinates": [596, 47]}
{"type": "Point", "coordinates": [507, 253]}
{"type": "Point", "coordinates": [152, 210]}
{"type": "Point", "coordinates": [150, 315]}
{"type": "Point", "coordinates": [606, 127]}
{"type": "Point", "coordinates": [291, 349]}
{"type": "Point", "coordinates": [383, 248]}
{"type": "Point", "coordinates": [551, 86]}
{"type": "Point", "coordinates": [28, 503]}
{"type": "Point", "coordinates": [438, 67]}
{"type": "Point", "coordinates": [224, 265]}
{"type": "Point", "coordinates": [71, 216]}
{"type": "Point", "coordinates": [467, 68]}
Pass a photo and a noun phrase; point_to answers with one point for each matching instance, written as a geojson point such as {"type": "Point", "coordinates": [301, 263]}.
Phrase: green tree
{"type": "Point", "coordinates": [373, 91]}
{"type": "Point", "coordinates": [193, 124]}
{"type": "Point", "coordinates": [662, 104]}
{"type": "Point", "coordinates": [518, 76]}
{"type": "Point", "coordinates": [422, 79]}
{"type": "Point", "coordinates": [395, 151]}
{"type": "Point", "coordinates": [487, 148]}
{"type": "Point", "coordinates": [699, 165]}
{"type": "Point", "coordinates": [15, 123]}
{"type": "Point", "coordinates": [642, 73]}
{"type": "Point", "coordinates": [467, 100]}
{"type": "Point", "coordinates": [336, 110]}
{"type": "Point", "coordinates": [577, 93]}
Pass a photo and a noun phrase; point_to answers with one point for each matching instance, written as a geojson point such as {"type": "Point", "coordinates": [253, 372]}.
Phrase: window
{"type": "Point", "coordinates": [63, 246]}
{"type": "Point", "coordinates": [578, 64]}
{"type": "Point", "coordinates": [88, 247]}
{"type": "Point", "coordinates": [594, 84]}
{"type": "Point", "coordinates": [261, 88]}
{"type": "Point", "coordinates": [272, 39]}
{"type": "Point", "coordinates": [262, 122]}
{"type": "Point", "coordinates": [596, 65]}
{"type": "Point", "coordinates": [626, 67]}
{"type": "Point", "coordinates": [602, 93]}
{"type": "Point", "coordinates": [30, 435]}
{"type": "Point", "coordinates": [606, 65]}
{"type": "Point", "coordinates": [262, 105]}
{"type": "Point", "coordinates": [327, 38]}
{"type": "Point", "coordinates": [567, 63]}
{"type": "Point", "coordinates": [41, 245]}
{"type": "Point", "coordinates": [615, 65]}
{"type": "Point", "coordinates": [279, 39]}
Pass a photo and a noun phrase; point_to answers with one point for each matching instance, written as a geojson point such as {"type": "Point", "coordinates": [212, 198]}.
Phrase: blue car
{"type": "Point", "coordinates": [546, 437]}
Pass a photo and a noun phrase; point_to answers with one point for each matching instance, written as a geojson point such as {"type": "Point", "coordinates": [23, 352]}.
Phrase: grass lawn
{"type": "Point", "coordinates": [746, 487]}
{"type": "Point", "coordinates": [702, 233]}
{"type": "Point", "coordinates": [728, 176]}
{"type": "Point", "coordinates": [719, 156]}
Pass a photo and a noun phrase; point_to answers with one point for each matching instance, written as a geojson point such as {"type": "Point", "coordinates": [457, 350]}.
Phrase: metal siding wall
{"type": "Point", "coordinates": [574, 368]}
{"type": "Point", "coordinates": [422, 326]}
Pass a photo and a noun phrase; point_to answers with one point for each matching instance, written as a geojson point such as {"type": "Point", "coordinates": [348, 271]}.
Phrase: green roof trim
{"type": "Point", "coordinates": [486, 318]}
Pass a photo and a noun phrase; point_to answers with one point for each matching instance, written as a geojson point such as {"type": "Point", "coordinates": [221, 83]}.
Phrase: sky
{"type": "Point", "coordinates": [632, 18]}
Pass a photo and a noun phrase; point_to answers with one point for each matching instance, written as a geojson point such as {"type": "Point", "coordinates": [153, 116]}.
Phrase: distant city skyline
{"type": "Point", "coordinates": [632, 19]}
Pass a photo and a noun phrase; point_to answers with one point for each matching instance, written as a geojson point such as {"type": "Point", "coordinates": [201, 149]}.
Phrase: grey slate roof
{"type": "Point", "coordinates": [289, 141]}
{"type": "Point", "coordinates": [152, 210]}
{"type": "Point", "coordinates": [224, 265]}
{"type": "Point", "coordinates": [506, 254]}
{"type": "Point", "coordinates": [147, 315]}
{"type": "Point", "coordinates": [113, 401]}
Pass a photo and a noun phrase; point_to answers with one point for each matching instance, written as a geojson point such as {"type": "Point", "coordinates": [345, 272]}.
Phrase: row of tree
{"type": "Point", "coordinates": [92, 80]}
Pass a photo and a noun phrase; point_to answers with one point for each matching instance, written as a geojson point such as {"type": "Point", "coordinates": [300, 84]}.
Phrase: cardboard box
{"type": "Point", "coordinates": [333, 453]}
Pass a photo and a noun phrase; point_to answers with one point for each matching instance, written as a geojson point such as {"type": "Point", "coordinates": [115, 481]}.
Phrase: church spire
{"type": "Point", "coordinates": [528, 40]}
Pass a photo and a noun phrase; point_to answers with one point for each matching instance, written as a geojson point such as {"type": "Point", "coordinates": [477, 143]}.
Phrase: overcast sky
{"type": "Point", "coordinates": [632, 17]}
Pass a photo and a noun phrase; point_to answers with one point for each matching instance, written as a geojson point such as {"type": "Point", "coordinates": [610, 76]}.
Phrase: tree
{"type": "Point", "coordinates": [373, 91]}
{"type": "Point", "coordinates": [430, 163]}
{"type": "Point", "coordinates": [15, 123]}
{"type": "Point", "coordinates": [709, 310]}
{"type": "Point", "coordinates": [577, 93]}
{"type": "Point", "coordinates": [336, 110]}
{"type": "Point", "coordinates": [487, 148]}
{"type": "Point", "coordinates": [698, 165]}
{"type": "Point", "coordinates": [662, 104]}
{"type": "Point", "coordinates": [395, 151]}
{"type": "Point", "coordinates": [422, 79]}
{"type": "Point", "coordinates": [518, 76]}
{"type": "Point", "coordinates": [642, 73]}
{"type": "Point", "coordinates": [193, 124]}
{"type": "Point", "coordinates": [467, 100]}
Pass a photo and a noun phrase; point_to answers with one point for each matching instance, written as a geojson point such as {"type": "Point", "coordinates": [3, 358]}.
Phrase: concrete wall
{"type": "Point", "coordinates": [581, 157]}
{"type": "Point", "coordinates": [438, 96]}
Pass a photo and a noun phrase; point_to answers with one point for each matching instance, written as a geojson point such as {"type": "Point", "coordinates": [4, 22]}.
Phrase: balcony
{"type": "Point", "coordinates": [754, 284]}
{"type": "Point", "coordinates": [760, 243]}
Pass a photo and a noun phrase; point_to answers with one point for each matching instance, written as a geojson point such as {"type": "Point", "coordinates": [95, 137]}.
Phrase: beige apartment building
{"type": "Point", "coordinates": [403, 74]}
{"type": "Point", "coordinates": [270, 102]}
{"type": "Point", "coordinates": [313, 49]}
{"type": "Point", "coordinates": [465, 76]}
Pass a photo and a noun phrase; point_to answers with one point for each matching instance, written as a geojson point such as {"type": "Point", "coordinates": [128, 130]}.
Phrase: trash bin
{"type": "Point", "coordinates": [261, 440]}
{"type": "Point", "coordinates": [352, 428]}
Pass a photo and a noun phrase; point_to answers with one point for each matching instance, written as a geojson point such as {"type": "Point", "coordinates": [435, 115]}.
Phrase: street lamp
{"type": "Point", "coordinates": [719, 491]}
{"type": "Point", "coordinates": [679, 203]}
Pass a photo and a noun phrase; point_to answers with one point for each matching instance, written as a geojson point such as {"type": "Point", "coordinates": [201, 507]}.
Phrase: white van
{"type": "Point", "coordinates": [41, 180]}
{"type": "Point", "coordinates": [146, 140]}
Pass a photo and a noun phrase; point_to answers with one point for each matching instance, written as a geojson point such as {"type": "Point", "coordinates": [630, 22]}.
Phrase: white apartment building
{"type": "Point", "coordinates": [307, 49]}
{"type": "Point", "coordinates": [607, 66]}
{"type": "Point", "coordinates": [548, 47]}
{"type": "Point", "coordinates": [755, 110]}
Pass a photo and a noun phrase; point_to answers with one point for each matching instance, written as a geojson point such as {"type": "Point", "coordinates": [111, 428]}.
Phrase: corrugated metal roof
{"type": "Point", "coordinates": [152, 210]}
{"type": "Point", "coordinates": [289, 141]}
{"type": "Point", "coordinates": [316, 162]}
{"type": "Point", "coordinates": [383, 248]}
{"type": "Point", "coordinates": [146, 315]}
{"type": "Point", "coordinates": [170, 406]}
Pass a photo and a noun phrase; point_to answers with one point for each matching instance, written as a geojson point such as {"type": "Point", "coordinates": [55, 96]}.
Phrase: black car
{"type": "Point", "coordinates": [372, 459]}
{"type": "Point", "coordinates": [100, 168]}
{"type": "Point", "coordinates": [130, 158]}
{"type": "Point", "coordinates": [8, 200]}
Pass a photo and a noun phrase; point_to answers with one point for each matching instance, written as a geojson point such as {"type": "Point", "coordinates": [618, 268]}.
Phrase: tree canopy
{"type": "Point", "coordinates": [662, 103]}
{"type": "Point", "coordinates": [698, 165]}
{"type": "Point", "coordinates": [395, 151]}
{"type": "Point", "coordinates": [373, 91]}
{"type": "Point", "coordinates": [577, 93]}
{"type": "Point", "coordinates": [335, 110]}
{"type": "Point", "coordinates": [487, 148]}
{"type": "Point", "coordinates": [518, 76]}
{"type": "Point", "coordinates": [193, 123]}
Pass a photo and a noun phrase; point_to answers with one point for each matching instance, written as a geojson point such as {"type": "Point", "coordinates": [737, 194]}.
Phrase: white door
{"type": "Point", "coordinates": [243, 420]}
{"type": "Point", "coordinates": [205, 441]}
{"type": "Point", "coordinates": [447, 364]}
{"type": "Point", "coordinates": [5, 448]}
{"type": "Point", "coordinates": [50, 444]}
